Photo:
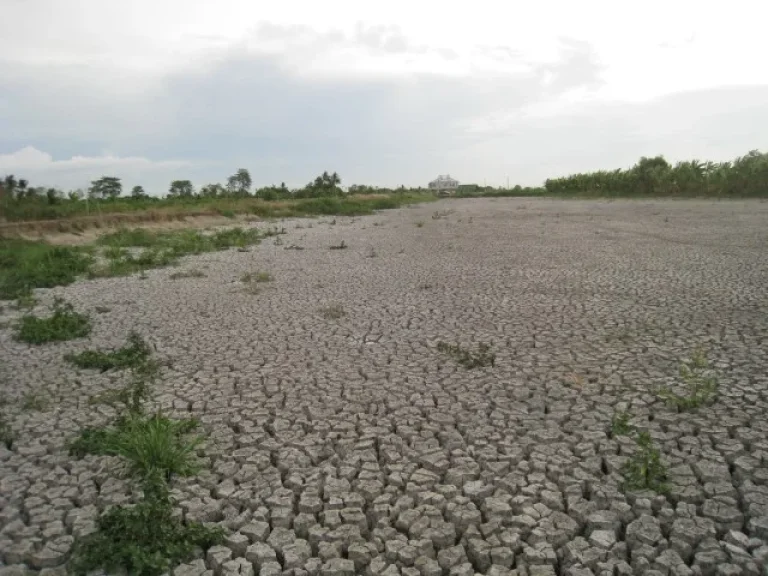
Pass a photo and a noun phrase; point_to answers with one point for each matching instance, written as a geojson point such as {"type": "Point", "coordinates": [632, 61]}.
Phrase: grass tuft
{"type": "Point", "coordinates": [341, 246]}
{"type": "Point", "coordinates": [64, 324]}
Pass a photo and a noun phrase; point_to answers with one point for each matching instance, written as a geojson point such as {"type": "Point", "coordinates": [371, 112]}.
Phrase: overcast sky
{"type": "Point", "coordinates": [384, 93]}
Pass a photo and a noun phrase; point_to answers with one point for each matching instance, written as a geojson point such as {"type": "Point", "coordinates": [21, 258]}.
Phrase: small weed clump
{"type": "Point", "coordinates": [341, 246]}
{"type": "Point", "coordinates": [644, 469]}
{"type": "Point", "coordinates": [64, 324]}
{"type": "Point", "coordinates": [420, 224]}
{"type": "Point", "coordinates": [257, 277]}
{"type": "Point", "coordinates": [193, 273]}
{"type": "Point", "coordinates": [468, 359]}
{"type": "Point", "coordinates": [700, 383]}
{"type": "Point", "coordinates": [332, 312]}
{"type": "Point", "coordinates": [132, 355]}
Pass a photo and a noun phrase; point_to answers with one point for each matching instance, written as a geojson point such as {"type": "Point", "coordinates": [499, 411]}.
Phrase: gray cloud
{"type": "Point", "coordinates": [246, 110]}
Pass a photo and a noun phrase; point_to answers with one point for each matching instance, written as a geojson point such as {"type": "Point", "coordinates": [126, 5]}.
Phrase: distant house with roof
{"type": "Point", "coordinates": [444, 183]}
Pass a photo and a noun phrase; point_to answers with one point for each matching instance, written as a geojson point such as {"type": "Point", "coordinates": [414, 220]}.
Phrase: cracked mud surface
{"type": "Point", "coordinates": [352, 446]}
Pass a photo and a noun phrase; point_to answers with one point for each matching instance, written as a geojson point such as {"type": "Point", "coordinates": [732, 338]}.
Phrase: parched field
{"type": "Point", "coordinates": [345, 436]}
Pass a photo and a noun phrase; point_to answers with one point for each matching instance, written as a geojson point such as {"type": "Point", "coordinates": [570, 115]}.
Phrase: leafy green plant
{"type": "Point", "coordinates": [146, 539]}
{"type": "Point", "coordinates": [64, 324]}
{"type": "Point", "coordinates": [620, 425]}
{"type": "Point", "coordinates": [700, 383]}
{"type": "Point", "coordinates": [467, 358]}
{"type": "Point", "coordinates": [133, 354]}
{"type": "Point", "coordinates": [644, 470]}
{"type": "Point", "coordinates": [332, 311]}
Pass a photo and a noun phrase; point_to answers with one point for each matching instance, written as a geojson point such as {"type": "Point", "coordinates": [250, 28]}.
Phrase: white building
{"type": "Point", "coordinates": [444, 183]}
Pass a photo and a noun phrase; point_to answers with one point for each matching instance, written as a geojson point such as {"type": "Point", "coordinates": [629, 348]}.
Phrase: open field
{"type": "Point", "coordinates": [458, 388]}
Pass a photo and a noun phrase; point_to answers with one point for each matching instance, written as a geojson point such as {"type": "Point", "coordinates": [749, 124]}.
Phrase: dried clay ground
{"type": "Point", "coordinates": [345, 442]}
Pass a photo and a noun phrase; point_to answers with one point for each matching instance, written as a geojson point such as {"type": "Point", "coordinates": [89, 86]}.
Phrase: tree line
{"type": "Point", "coordinates": [238, 185]}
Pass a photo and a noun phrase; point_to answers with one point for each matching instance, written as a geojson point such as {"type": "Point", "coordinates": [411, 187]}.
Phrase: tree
{"type": "Point", "coordinates": [75, 195]}
{"type": "Point", "coordinates": [138, 192]}
{"type": "Point", "coordinates": [239, 183]}
{"type": "Point", "coordinates": [181, 189]}
{"type": "Point", "coordinates": [9, 185]}
{"type": "Point", "coordinates": [53, 195]}
{"type": "Point", "coordinates": [212, 190]}
{"type": "Point", "coordinates": [105, 187]}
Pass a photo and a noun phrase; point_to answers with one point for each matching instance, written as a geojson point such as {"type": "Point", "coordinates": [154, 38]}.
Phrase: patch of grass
{"type": "Point", "coordinates": [227, 213]}
{"type": "Point", "coordinates": [644, 469]}
{"type": "Point", "coordinates": [467, 358]}
{"type": "Point", "coordinates": [34, 402]}
{"type": "Point", "coordinates": [332, 312]}
{"type": "Point", "coordinates": [193, 273]}
{"type": "Point", "coordinates": [25, 302]}
{"type": "Point", "coordinates": [147, 539]}
{"type": "Point", "coordinates": [133, 354]}
{"type": "Point", "coordinates": [64, 324]}
{"type": "Point", "coordinates": [699, 382]}
{"type": "Point", "coordinates": [25, 265]}
{"type": "Point", "coordinates": [130, 251]}
{"type": "Point", "coordinates": [341, 246]}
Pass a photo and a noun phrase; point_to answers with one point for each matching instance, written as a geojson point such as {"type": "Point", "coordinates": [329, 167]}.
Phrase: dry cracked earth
{"type": "Point", "coordinates": [352, 445]}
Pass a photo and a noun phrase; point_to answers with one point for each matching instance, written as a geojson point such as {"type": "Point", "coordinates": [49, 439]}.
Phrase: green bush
{"type": "Point", "coordinates": [644, 469]}
{"type": "Point", "coordinates": [64, 324]}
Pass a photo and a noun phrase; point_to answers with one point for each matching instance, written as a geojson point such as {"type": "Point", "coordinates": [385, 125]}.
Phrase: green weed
{"type": "Point", "coordinates": [64, 324]}
{"type": "Point", "coordinates": [147, 539]}
{"type": "Point", "coordinates": [620, 425]}
{"type": "Point", "coordinates": [644, 469]}
{"type": "Point", "coordinates": [133, 354]}
{"type": "Point", "coordinates": [700, 383]}
{"type": "Point", "coordinates": [467, 358]}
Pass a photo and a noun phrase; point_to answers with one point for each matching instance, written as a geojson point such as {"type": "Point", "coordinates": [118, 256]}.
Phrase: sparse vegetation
{"type": "Point", "coordinates": [193, 273]}
{"type": "Point", "coordinates": [341, 246]}
{"type": "Point", "coordinates": [644, 469]}
{"type": "Point", "coordinates": [256, 277]}
{"type": "Point", "coordinates": [34, 402]}
{"type": "Point", "coordinates": [6, 433]}
{"type": "Point", "coordinates": [332, 312]}
{"type": "Point", "coordinates": [620, 425]}
{"type": "Point", "coordinates": [699, 382]}
{"type": "Point", "coordinates": [467, 358]}
{"type": "Point", "coordinates": [148, 538]}
{"type": "Point", "coordinates": [63, 324]}
{"type": "Point", "coordinates": [25, 265]}
{"type": "Point", "coordinates": [420, 224]}
{"type": "Point", "coordinates": [132, 355]}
